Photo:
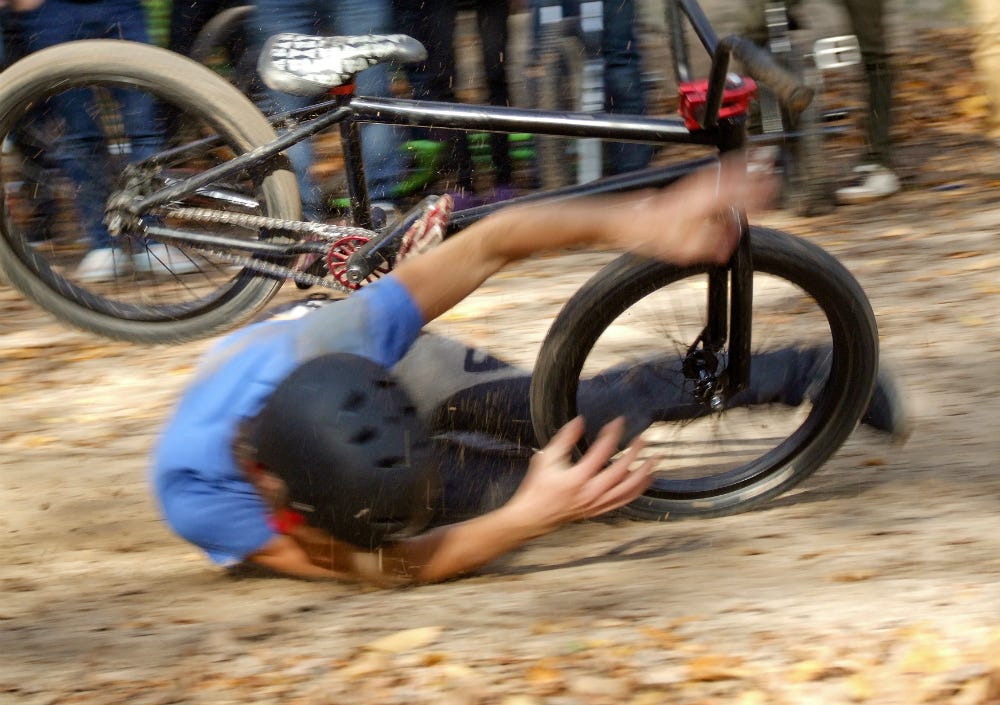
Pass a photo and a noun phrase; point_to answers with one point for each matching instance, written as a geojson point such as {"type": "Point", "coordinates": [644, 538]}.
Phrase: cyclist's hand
{"type": "Point", "coordinates": [556, 490]}
{"type": "Point", "coordinates": [696, 219]}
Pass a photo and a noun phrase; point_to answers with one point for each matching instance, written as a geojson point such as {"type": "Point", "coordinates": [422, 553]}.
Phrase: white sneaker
{"type": "Point", "coordinates": [872, 182]}
{"type": "Point", "coordinates": [164, 260]}
{"type": "Point", "coordinates": [103, 264]}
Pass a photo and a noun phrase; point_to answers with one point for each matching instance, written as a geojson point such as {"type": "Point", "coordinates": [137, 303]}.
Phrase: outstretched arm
{"type": "Point", "coordinates": [683, 223]}
{"type": "Point", "coordinates": [554, 492]}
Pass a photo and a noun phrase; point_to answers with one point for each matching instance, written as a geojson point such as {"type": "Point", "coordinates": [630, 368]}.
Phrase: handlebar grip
{"type": "Point", "coordinates": [762, 67]}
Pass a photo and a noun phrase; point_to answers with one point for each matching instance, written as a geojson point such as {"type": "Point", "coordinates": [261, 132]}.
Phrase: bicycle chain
{"type": "Point", "coordinates": [321, 231]}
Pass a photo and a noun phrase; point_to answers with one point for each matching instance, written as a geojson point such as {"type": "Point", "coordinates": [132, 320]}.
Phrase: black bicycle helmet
{"type": "Point", "coordinates": [345, 439]}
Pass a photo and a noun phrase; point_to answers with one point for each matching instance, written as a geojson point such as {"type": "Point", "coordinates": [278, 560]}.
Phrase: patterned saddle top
{"type": "Point", "coordinates": [306, 65]}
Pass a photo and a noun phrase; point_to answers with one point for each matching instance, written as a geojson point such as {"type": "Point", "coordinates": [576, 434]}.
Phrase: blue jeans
{"type": "Point", "coordinates": [82, 151]}
{"type": "Point", "coordinates": [381, 144]}
{"type": "Point", "coordinates": [623, 91]}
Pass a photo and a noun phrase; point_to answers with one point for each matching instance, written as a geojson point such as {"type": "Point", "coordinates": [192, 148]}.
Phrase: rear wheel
{"type": "Point", "coordinates": [628, 331]}
{"type": "Point", "coordinates": [85, 119]}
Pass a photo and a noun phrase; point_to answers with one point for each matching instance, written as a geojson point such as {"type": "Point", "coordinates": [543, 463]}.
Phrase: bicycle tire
{"type": "Point", "coordinates": [164, 307]}
{"type": "Point", "coordinates": [226, 32]}
{"type": "Point", "coordinates": [221, 31]}
{"type": "Point", "coordinates": [603, 323]}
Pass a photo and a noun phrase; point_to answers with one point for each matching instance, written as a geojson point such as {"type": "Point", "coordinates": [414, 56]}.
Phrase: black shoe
{"type": "Point", "coordinates": [887, 411]}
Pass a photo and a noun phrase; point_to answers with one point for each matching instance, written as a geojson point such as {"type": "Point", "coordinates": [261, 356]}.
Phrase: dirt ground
{"type": "Point", "coordinates": [877, 582]}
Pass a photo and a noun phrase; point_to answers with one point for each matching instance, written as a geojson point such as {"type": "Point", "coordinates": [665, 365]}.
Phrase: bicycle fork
{"type": "Point", "coordinates": [728, 320]}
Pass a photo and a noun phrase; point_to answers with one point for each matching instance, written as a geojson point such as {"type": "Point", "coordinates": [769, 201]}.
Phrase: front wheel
{"type": "Point", "coordinates": [86, 122]}
{"type": "Point", "coordinates": [621, 346]}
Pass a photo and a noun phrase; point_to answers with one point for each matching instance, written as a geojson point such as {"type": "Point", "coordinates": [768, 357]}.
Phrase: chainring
{"type": "Point", "coordinates": [337, 256]}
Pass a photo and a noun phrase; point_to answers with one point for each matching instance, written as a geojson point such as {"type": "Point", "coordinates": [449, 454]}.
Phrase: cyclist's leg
{"type": "Point", "coordinates": [476, 477]}
{"type": "Point", "coordinates": [460, 388]}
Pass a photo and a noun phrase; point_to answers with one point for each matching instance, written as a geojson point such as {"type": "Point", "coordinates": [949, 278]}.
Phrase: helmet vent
{"type": "Point", "coordinates": [364, 435]}
{"type": "Point", "coordinates": [353, 401]}
{"type": "Point", "coordinates": [391, 461]}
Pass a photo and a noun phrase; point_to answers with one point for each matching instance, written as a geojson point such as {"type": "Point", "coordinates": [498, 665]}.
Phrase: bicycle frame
{"type": "Point", "coordinates": [730, 288]}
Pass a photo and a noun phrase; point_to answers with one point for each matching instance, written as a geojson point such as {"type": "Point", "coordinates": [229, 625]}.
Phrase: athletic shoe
{"type": "Point", "coordinates": [103, 264]}
{"type": "Point", "coordinates": [165, 260]}
{"type": "Point", "coordinates": [887, 411]}
{"type": "Point", "coordinates": [872, 182]}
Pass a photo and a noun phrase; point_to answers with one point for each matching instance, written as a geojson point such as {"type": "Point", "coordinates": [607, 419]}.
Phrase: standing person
{"type": "Point", "coordinates": [623, 91]}
{"type": "Point", "coordinates": [381, 144]}
{"type": "Point", "coordinates": [265, 459]}
{"type": "Point", "coordinates": [432, 23]}
{"type": "Point", "coordinates": [44, 23]}
{"type": "Point", "coordinates": [874, 178]}
{"type": "Point", "coordinates": [618, 48]}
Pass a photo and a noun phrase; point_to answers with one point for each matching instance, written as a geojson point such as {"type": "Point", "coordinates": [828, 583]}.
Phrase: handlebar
{"type": "Point", "coordinates": [761, 66]}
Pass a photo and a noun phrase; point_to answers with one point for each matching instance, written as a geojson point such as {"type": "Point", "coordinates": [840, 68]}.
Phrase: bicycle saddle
{"type": "Point", "coordinates": [306, 65]}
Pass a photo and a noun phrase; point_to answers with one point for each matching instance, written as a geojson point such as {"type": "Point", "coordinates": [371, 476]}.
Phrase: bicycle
{"type": "Point", "coordinates": [223, 45]}
{"type": "Point", "coordinates": [798, 137]}
{"type": "Point", "coordinates": [223, 197]}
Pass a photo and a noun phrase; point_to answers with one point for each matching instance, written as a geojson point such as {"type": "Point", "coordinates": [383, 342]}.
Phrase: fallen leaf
{"type": "Point", "coordinates": [852, 576]}
{"type": "Point", "coordinates": [406, 640]}
{"type": "Point", "coordinates": [713, 667]}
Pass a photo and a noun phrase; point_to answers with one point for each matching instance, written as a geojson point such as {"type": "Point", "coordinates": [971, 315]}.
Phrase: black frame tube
{"type": "Point", "coordinates": [730, 285]}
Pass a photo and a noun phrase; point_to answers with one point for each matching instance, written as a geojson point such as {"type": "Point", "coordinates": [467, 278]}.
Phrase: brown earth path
{"type": "Point", "coordinates": [877, 582]}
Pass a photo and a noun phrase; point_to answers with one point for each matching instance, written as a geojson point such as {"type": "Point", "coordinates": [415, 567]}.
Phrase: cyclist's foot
{"type": "Point", "coordinates": [887, 411]}
{"type": "Point", "coordinates": [103, 264]}
{"type": "Point", "coordinates": [871, 182]}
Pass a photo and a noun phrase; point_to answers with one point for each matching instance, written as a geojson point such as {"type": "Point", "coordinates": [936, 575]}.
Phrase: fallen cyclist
{"type": "Point", "coordinates": [305, 445]}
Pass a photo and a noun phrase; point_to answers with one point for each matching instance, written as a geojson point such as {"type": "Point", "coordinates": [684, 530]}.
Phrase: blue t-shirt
{"type": "Point", "coordinates": [203, 495]}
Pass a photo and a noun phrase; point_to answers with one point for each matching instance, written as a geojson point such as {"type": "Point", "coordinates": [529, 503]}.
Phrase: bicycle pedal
{"type": "Point", "coordinates": [836, 52]}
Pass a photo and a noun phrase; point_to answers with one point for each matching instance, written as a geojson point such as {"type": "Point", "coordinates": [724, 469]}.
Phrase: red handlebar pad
{"type": "Point", "coordinates": [735, 100]}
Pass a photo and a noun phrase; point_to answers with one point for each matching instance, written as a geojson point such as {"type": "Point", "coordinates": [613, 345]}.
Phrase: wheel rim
{"type": "Point", "coordinates": [705, 453]}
